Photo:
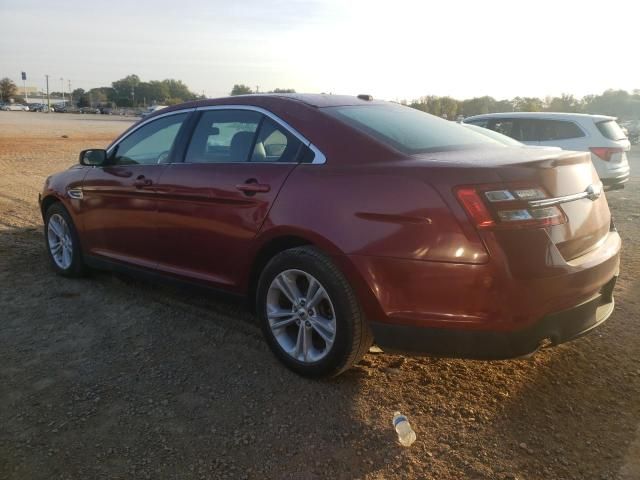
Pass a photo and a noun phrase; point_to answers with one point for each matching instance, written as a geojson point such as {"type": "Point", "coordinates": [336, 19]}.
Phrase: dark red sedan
{"type": "Point", "coordinates": [348, 220]}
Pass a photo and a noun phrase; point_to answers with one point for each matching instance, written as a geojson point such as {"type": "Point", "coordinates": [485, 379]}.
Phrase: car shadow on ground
{"type": "Point", "coordinates": [113, 376]}
{"type": "Point", "coordinates": [108, 375]}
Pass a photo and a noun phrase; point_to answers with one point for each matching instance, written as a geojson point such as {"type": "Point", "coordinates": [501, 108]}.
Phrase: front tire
{"type": "Point", "coordinates": [309, 314]}
{"type": "Point", "coordinates": [62, 242]}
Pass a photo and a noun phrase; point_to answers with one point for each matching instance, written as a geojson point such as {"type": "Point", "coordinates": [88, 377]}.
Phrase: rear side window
{"type": "Point", "coordinates": [223, 136]}
{"type": "Point", "coordinates": [505, 126]}
{"type": "Point", "coordinates": [611, 130]}
{"type": "Point", "coordinates": [558, 130]}
{"type": "Point", "coordinates": [407, 129]}
{"type": "Point", "coordinates": [275, 144]}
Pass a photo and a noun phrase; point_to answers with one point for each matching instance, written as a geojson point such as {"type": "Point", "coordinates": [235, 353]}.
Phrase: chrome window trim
{"type": "Point", "coordinates": [319, 157]}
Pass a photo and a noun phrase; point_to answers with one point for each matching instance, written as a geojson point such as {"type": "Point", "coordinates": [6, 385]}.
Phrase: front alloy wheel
{"type": "Point", "coordinates": [62, 241]}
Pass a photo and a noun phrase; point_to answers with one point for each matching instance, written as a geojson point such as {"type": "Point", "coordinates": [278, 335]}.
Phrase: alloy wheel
{"type": "Point", "coordinates": [60, 241]}
{"type": "Point", "coordinates": [301, 315]}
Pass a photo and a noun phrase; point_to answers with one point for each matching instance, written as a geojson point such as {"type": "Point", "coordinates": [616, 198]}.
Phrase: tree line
{"type": "Point", "coordinates": [617, 103]}
{"type": "Point", "coordinates": [130, 91]}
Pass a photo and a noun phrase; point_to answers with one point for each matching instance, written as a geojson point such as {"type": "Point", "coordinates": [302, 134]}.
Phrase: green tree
{"type": "Point", "coordinates": [7, 89]}
{"type": "Point", "coordinates": [528, 104]}
{"type": "Point", "coordinates": [281, 90]}
{"type": "Point", "coordinates": [448, 107]}
{"type": "Point", "coordinates": [240, 89]}
{"type": "Point", "coordinates": [476, 106]}
{"type": "Point", "coordinates": [564, 103]}
{"type": "Point", "coordinates": [125, 90]}
{"type": "Point", "coordinates": [178, 90]}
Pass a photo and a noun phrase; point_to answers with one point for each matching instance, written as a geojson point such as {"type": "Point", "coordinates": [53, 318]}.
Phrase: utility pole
{"type": "Point", "coordinates": [133, 97]}
{"type": "Point", "coordinates": [70, 97]}
{"type": "Point", "coordinates": [24, 86]}
{"type": "Point", "coordinates": [62, 88]}
{"type": "Point", "coordinates": [48, 97]}
{"type": "Point", "coordinates": [257, 88]}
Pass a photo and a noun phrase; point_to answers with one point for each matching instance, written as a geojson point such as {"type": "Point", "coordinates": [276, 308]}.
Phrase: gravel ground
{"type": "Point", "coordinates": [109, 377]}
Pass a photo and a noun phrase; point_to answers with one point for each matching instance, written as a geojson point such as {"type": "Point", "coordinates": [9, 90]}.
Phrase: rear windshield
{"type": "Point", "coordinates": [407, 129]}
{"type": "Point", "coordinates": [611, 130]}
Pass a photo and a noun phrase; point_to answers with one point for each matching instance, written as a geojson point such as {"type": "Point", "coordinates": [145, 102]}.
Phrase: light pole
{"type": "Point", "coordinates": [62, 88]}
{"type": "Point", "coordinates": [48, 97]}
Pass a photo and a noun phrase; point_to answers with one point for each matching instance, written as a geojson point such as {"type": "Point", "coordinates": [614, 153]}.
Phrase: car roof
{"type": "Point", "coordinates": [317, 100]}
{"type": "Point", "coordinates": [543, 115]}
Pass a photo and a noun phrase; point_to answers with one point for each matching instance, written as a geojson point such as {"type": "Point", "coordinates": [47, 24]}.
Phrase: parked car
{"type": "Point", "coordinates": [500, 138]}
{"type": "Point", "coordinates": [598, 134]}
{"type": "Point", "coordinates": [345, 220]}
{"type": "Point", "coordinates": [60, 108]}
{"type": "Point", "coordinates": [632, 128]}
{"type": "Point", "coordinates": [151, 110]}
{"type": "Point", "coordinates": [15, 107]}
{"type": "Point", "coordinates": [92, 110]}
{"type": "Point", "coordinates": [38, 107]}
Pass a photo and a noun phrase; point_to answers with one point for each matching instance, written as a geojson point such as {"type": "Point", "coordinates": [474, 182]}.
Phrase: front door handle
{"type": "Point", "coordinates": [142, 181]}
{"type": "Point", "coordinates": [251, 187]}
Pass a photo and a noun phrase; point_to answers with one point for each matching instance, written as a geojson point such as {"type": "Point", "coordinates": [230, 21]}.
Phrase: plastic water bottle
{"type": "Point", "coordinates": [406, 435]}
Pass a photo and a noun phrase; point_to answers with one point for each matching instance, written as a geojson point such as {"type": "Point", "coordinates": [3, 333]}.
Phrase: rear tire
{"type": "Point", "coordinates": [63, 244]}
{"type": "Point", "coordinates": [309, 314]}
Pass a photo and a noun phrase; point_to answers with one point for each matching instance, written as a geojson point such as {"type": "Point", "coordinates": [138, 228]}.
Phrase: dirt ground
{"type": "Point", "coordinates": [109, 377]}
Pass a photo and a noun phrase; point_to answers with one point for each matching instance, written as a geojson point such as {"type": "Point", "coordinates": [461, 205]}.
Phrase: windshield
{"type": "Point", "coordinates": [407, 129]}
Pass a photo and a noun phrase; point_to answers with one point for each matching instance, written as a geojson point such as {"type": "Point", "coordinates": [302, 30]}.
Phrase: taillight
{"type": "Point", "coordinates": [605, 153]}
{"type": "Point", "coordinates": [508, 208]}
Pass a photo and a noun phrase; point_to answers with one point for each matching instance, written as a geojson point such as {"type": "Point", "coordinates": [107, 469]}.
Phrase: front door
{"type": "Point", "coordinates": [213, 204]}
{"type": "Point", "coordinates": [119, 204]}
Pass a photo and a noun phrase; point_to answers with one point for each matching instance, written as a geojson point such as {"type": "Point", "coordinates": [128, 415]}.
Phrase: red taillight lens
{"type": "Point", "coordinates": [475, 207]}
{"type": "Point", "coordinates": [507, 207]}
{"type": "Point", "coordinates": [605, 153]}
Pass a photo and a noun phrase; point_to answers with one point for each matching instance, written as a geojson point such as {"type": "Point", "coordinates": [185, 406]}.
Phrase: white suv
{"type": "Point", "coordinates": [598, 134]}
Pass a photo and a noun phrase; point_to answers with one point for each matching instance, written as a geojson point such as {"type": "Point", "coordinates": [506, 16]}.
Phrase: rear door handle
{"type": "Point", "coordinates": [252, 187]}
{"type": "Point", "coordinates": [142, 181]}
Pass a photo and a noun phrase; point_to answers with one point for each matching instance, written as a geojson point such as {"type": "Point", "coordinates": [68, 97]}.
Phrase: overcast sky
{"type": "Point", "coordinates": [394, 49]}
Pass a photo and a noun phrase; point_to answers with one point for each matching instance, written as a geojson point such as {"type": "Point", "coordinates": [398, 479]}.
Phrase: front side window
{"type": "Point", "coordinates": [223, 136]}
{"type": "Point", "coordinates": [150, 144]}
{"type": "Point", "coordinates": [407, 129]}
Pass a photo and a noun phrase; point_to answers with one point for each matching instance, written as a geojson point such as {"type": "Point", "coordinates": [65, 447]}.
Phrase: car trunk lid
{"type": "Point", "coordinates": [564, 176]}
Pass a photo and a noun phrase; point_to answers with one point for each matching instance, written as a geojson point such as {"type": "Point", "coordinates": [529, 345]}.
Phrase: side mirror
{"type": "Point", "coordinates": [93, 158]}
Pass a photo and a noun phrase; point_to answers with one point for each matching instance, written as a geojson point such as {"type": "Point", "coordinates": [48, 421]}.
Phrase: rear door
{"type": "Point", "coordinates": [213, 203]}
{"type": "Point", "coordinates": [119, 200]}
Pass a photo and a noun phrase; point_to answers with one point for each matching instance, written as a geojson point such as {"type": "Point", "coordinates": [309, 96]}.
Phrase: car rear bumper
{"type": "Point", "coordinates": [615, 183]}
{"type": "Point", "coordinates": [552, 329]}
{"type": "Point", "coordinates": [500, 309]}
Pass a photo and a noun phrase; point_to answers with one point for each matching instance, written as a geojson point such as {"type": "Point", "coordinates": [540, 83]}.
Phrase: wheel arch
{"type": "Point", "coordinates": [47, 202]}
{"type": "Point", "coordinates": [269, 249]}
{"type": "Point", "coordinates": [279, 240]}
